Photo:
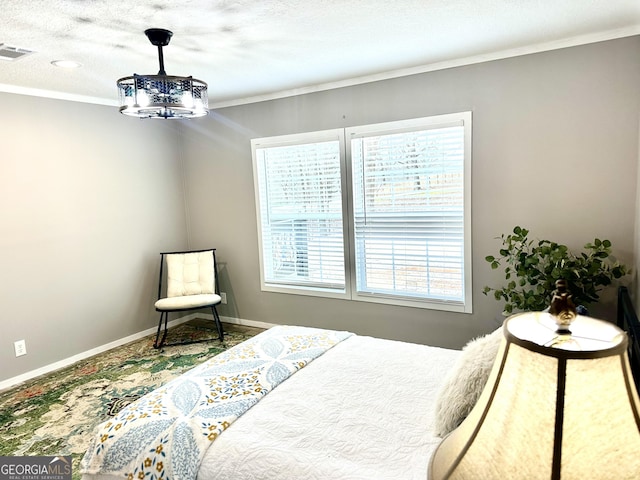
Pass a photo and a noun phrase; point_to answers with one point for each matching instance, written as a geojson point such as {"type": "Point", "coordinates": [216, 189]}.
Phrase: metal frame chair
{"type": "Point", "coordinates": [190, 285]}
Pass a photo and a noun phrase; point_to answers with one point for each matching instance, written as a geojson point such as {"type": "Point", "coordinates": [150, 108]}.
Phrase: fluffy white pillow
{"type": "Point", "coordinates": [465, 381]}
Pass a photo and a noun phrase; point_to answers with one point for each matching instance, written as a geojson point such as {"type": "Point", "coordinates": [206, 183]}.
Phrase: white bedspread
{"type": "Point", "coordinates": [364, 410]}
{"type": "Point", "coordinates": [165, 434]}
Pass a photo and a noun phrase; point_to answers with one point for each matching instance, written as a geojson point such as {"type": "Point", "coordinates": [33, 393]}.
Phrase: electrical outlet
{"type": "Point", "coordinates": [224, 298]}
{"type": "Point", "coordinates": [20, 347]}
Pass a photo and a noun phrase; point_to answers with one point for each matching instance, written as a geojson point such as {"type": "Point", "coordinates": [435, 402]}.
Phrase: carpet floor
{"type": "Point", "coordinates": [55, 414]}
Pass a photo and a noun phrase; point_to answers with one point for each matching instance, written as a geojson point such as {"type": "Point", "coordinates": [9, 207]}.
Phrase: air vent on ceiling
{"type": "Point", "coordinates": [12, 54]}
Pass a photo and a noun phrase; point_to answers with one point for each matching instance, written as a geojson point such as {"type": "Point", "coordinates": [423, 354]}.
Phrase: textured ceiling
{"type": "Point", "coordinates": [252, 49]}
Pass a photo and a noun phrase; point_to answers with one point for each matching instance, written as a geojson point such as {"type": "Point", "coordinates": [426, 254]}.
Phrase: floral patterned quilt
{"type": "Point", "coordinates": [166, 433]}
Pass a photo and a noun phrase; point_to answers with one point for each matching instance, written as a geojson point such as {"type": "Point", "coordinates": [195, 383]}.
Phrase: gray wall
{"type": "Point", "coordinates": [635, 292]}
{"type": "Point", "coordinates": [88, 199]}
{"type": "Point", "coordinates": [555, 149]}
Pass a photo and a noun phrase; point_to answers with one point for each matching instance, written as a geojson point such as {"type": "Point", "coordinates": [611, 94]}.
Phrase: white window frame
{"type": "Point", "coordinates": [440, 121]}
{"type": "Point", "coordinates": [288, 140]}
{"type": "Point", "coordinates": [344, 137]}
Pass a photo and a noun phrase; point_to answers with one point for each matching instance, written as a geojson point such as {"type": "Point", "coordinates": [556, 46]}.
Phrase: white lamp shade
{"type": "Point", "coordinates": [550, 413]}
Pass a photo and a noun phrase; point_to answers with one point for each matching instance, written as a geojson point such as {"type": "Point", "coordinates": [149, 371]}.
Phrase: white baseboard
{"type": "Point", "coordinates": [247, 323]}
{"type": "Point", "coordinates": [11, 382]}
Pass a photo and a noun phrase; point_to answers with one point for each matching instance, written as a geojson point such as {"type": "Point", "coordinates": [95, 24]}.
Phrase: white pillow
{"type": "Point", "coordinates": [465, 381]}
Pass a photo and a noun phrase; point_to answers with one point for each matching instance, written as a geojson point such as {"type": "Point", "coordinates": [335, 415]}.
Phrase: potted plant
{"type": "Point", "coordinates": [532, 267]}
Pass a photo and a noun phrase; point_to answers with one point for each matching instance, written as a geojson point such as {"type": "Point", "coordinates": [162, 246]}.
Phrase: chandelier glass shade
{"type": "Point", "coordinates": [162, 96]}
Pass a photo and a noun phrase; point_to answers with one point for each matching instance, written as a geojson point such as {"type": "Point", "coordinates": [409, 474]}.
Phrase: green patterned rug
{"type": "Point", "coordinates": [56, 413]}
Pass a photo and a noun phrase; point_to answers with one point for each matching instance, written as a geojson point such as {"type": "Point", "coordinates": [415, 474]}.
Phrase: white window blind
{"type": "Point", "coordinates": [300, 208]}
{"type": "Point", "coordinates": [408, 221]}
{"type": "Point", "coordinates": [384, 217]}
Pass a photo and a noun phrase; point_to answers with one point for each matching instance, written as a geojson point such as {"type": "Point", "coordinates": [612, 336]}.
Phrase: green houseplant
{"type": "Point", "coordinates": [532, 267]}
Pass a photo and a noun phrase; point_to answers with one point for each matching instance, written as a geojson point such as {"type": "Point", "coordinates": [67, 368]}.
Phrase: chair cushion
{"type": "Point", "coordinates": [190, 273]}
{"type": "Point", "coordinates": [188, 301]}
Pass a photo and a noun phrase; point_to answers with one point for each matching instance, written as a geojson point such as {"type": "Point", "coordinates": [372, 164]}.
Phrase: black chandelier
{"type": "Point", "coordinates": [162, 95]}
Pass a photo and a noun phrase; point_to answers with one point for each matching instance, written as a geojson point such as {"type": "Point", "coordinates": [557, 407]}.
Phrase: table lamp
{"type": "Point", "coordinates": [560, 403]}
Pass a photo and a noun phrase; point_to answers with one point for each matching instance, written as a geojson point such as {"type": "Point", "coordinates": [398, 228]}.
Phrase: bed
{"type": "Point", "coordinates": [360, 408]}
{"type": "Point", "coordinates": [364, 408]}
{"type": "Point", "coordinates": [627, 320]}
